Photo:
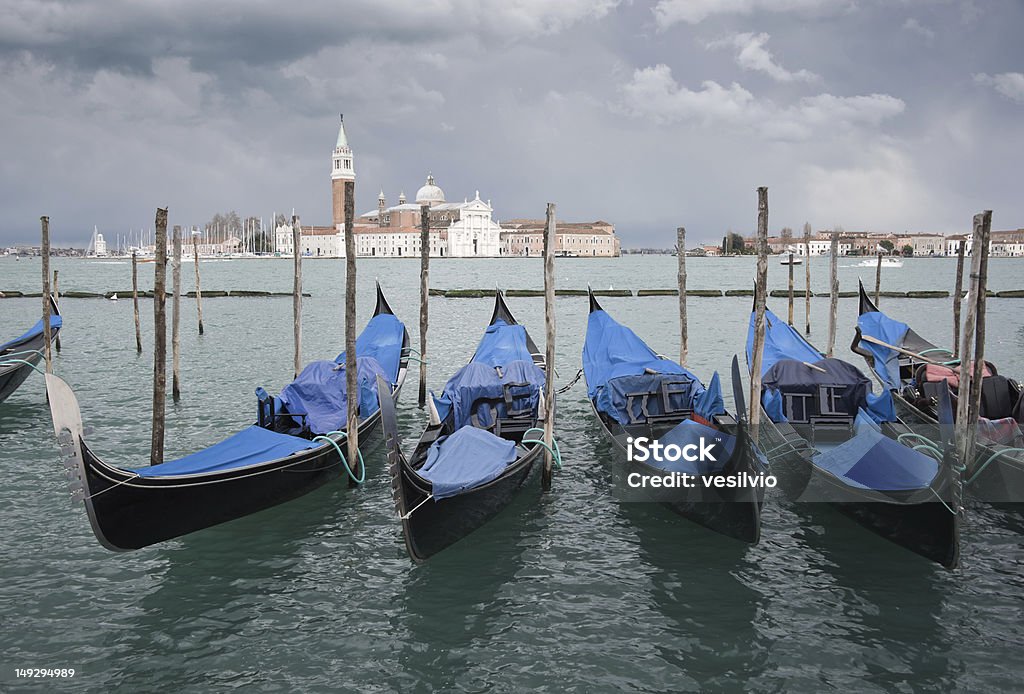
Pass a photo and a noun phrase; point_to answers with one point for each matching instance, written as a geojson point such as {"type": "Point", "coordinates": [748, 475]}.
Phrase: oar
{"type": "Point", "coordinates": [737, 390]}
{"type": "Point", "coordinates": [915, 355]}
{"type": "Point", "coordinates": [809, 365]}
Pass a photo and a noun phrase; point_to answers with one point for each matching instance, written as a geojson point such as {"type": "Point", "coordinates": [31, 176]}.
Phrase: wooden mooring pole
{"type": "Point", "coordinates": [351, 381]}
{"type": "Point", "coordinates": [791, 289]}
{"type": "Point", "coordinates": [45, 250]}
{"type": "Point", "coordinates": [684, 340]}
{"type": "Point", "coordinates": [760, 298]}
{"type": "Point", "coordinates": [878, 279]}
{"type": "Point", "coordinates": [199, 291]}
{"type": "Point", "coordinates": [549, 347]}
{"type": "Point", "coordinates": [424, 297]}
{"type": "Point", "coordinates": [135, 302]}
{"type": "Point", "coordinates": [807, 276]}
{"type": "Point", "coordinates": [957, 291]}
{"type": "Point", "coordinates": [156, 452]}
{"type": "Point", "coordinates": [972, 344]}
{"type": "Point", "coordinates": [176, 317]}
{"type": "Point", "coordinates": [56, 301]}
{"type": "Point", "coordinates": [297, 292]}
{"type": "Point", "coordinates": [833, 307]}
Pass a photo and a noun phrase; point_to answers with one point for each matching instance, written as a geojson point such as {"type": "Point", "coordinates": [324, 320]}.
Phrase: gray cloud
{"type": "Point", "coordinates": [614, 110]}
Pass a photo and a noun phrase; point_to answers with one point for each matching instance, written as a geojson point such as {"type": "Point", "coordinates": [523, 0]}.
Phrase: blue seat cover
{"type": "Point", "coordinates": [250, 446]}
{"type": "Point", "coordinates": [872, 460]}
{"type": "Point", "coordinates": [689, 432]}
{"type": "Point", "coordinates": [879, 326]}
{"type": "Point", "coordinates": [320, 392]}
{"type": "Point", "coordinates": [467, 459]}
{"type": "Point", "coordinates": [382, 340]}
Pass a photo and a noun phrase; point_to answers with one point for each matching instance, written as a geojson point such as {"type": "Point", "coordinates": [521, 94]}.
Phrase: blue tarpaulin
{"type": "Point", "coordinates": [503, 348]}
{"type": "Point", "coordinates": [881, 327]}
{"type": "Point", "coordinates": [691, 433]}
{"type": "Point", "coordinates": [381, 339]}
{"type": "Point", "coordinates": [33, 332]}
{"type": "Point", "coordinates": [617, 363]}
{"type": "Point", "coordinates": [320, 392]}
{"type": "Point", "coordinates": [248, 447]}
{"type": "Point", "coordinates": [781, 341]}
{"type": "Point", "coordinates": [467, 459]}
{"type": "Point", "coordinates": [710, 402]}
{"type": "Point", "coordinates": [872, 460]}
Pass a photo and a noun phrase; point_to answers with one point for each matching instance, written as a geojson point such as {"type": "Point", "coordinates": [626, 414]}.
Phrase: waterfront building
{"type": "Point", "coordinates": [525, 237]}
{"type": "Point", "coordinates": [316, 241]}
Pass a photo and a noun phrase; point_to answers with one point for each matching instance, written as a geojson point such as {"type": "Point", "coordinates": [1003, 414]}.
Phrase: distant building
{"type": "Point", "coordinates": [924, 244]}
{"type": "Point", "coordinates": [316, 241]}
{"type": "Point", "coordinates": [525, 237]}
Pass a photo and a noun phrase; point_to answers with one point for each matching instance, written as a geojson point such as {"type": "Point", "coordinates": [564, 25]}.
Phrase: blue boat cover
{"type": "Point", "coordinates": [248, 447]}
{"type": "Point", "coordinates": [381, 339]}
{"type": "Point", "coordinates": [881, 327]}
{"type": "Point", "coordinates": [689, 432]}
{"type": "Point", "coordinates": [33, 332]}
{"type": "Point", "coordinates": [467, 459]}
{"type": "Point", "coordinates": [710, 402]}
{"type": "Point", "coordinates": [503, 348]}
{"type": "Point", "coordinates": [871, 460]}
{"type": "Point", "coordinates": [618, 364]}
{"type": "Point", "coordinates": [320, 392]}
{"type": "Point", "coordinates": [781, 341]}
{"type": "Point", "coordinates": [784, 370]}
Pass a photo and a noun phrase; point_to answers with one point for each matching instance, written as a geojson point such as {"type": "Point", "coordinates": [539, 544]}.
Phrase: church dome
{"type": "Point", "coordinates": [429, 194]}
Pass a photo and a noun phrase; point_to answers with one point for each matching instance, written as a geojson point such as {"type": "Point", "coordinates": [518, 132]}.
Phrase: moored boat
{"type": "Point", "coordinates": [295, 447]}
{"type": "Point", "coordinates": [636, 393]}
{"type": "Point", "coordinates": [913, 370]}
{"type": "Point", "coordinates": [833, 440]}
{"type": "Point", "coordinates": [20, 356]}
{"type": "Point", "coordinates": [480, 446]}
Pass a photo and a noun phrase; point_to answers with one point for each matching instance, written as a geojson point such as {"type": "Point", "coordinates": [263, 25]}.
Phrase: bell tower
{"type": "Point", "coordinates": [342, 172]}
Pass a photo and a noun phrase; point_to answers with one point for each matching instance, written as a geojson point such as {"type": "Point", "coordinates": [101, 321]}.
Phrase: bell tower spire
{"type": "Point", "coordinates": [342, 170]}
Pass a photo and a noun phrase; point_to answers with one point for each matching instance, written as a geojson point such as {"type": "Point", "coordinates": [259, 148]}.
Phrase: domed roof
{"type": "Point", "coordinates": [429, 194]}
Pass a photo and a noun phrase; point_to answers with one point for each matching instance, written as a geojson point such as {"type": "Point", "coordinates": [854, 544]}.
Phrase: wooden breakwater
{"type": "Point", "coordinates": [709, 293]}
{"type": "Point", "coordinates": [234, 293]}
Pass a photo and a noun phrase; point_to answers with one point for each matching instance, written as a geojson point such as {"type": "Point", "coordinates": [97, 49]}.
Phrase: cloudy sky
{"type": "Point", "coordinates": [871, 114]}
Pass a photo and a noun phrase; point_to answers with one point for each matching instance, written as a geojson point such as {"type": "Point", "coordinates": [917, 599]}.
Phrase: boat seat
{"type": "Point", "coordinates": [669, 395]}
{"type": "Point", "coordinates": [996, 399]}
{"type": "Point", "coordinates": [831, 429]}
{"type": "Point", "coordinates": [269, 417]}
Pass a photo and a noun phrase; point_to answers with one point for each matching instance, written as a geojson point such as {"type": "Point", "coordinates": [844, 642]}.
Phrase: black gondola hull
{"type": "Point", "coordinates": [14, 374]}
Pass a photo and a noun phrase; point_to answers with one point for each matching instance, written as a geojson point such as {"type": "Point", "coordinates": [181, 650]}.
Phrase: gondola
{"type": "Point", "coordinates": [294, 447]}
{"type": "Point", "coordinates": [19, 357]}
{"type": "Point", "coordinates": [833, 440]}
{"type": "Point", "coordinates": [637, 393]}
{"type": "Point", "coordinates": [914, 372]}
{"type": "Point", "coordinates": [478, 449]}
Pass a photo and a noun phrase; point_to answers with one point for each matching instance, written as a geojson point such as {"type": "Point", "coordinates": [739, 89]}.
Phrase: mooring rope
{"type": "Point", "coordinates": [565, 388]}
{"type": "Point", "coordinates": [344, 436]}
{"type": "Point", "coordinates": [556, 455]}
{"type": "Point", "coordinates": [406, 516]}
{"type": "Point", "coordinates": [11, 362]}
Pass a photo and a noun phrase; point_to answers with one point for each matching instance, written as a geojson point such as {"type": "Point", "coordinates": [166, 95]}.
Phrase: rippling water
{"type": "Point", "coordinates": [567, 590]}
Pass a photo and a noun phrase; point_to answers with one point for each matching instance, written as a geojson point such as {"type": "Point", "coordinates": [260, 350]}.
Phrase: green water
{"type": "Point", "coordinates": [565, 591]}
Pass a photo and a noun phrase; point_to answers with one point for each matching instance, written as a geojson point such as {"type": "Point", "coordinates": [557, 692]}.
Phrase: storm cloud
{"type": "Point", "coordinates": [878, 115]}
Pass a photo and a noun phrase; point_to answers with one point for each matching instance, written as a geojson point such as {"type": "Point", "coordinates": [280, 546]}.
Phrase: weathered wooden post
{"type": "Point", "coordinates": [424, 292]}
{"type": "Point", "coordinates": [807, 276]}
{"type": "Point", "coordinates": [56, 301]}
{"type": "Point", "coordinates": [791, 289]}
{"type": "Point", "coordinates": [297, 292]}
{"type": "Point", "coordinates": [156, 453]}
{"type": "Point", "coordinates": [957, 291]}
{"type": "Point", "coordinates": [351, 368]}
{"type": "Point", "coordinates": [973, 345]}
{"type": "Point", "coordinates": [760, 291]}
{"type": "Point", "coordinates": [199, 291]}
{"type": "Point", "coordinates": [135, 302]}
{"type": "Point", "coordinates": [549, 351]}
{"type": "Point", "coordinates": [684, 346]}
{"type": "Point", "coordinates": [833, 308]}
{"type": "Point", "coordinates": [175, 317]}
{"type": "Point", "coordinates": [878, 279]}
{"type": "Point", "coordinates": [45, 250]}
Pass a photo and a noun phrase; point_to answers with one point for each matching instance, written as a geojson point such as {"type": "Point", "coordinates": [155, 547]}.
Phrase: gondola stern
{"type": "Point", "coordinates": [865, 305]}
{"type": "Point", "coordinates": [382, 306]}
{"type": "Point", "coordinates": [501, 310]}
{"type": "Point", "coordinates": [594, 306]}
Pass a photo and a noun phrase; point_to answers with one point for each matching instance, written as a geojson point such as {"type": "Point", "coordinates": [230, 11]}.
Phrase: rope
{"type": "Point", "coordinates": [414, 508]}
{"type": "Point", "coordinates": [11, 362]}
{"type": "Point", "coordinates": [556, 455]}
{"type": "Point", "coordinates": [416, 359]}
{"type": "Point", "coordinates": [124, 481]}
{"type": "Point", "coordinates": [991, 458]}
{"type": "Point", "coordinates": [930, 450]}
{"type": "Point", "coordinates": [344, 462]}
{"type": "Point", "coordinates": [941, 501]}
{"type": "Point", "coordinates": [413, 350]}
{"type": "Point", "coordinates": [565, 389]}
{"type": "Point", "coordinates": [911, 435]}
